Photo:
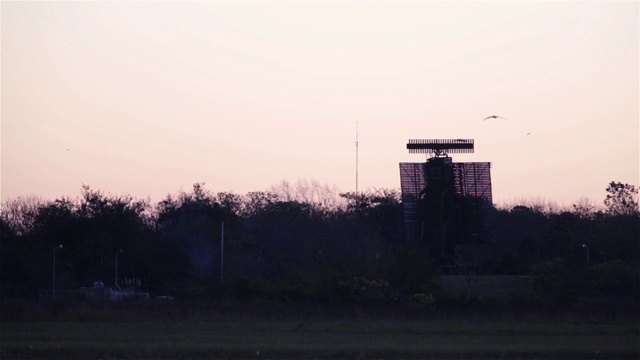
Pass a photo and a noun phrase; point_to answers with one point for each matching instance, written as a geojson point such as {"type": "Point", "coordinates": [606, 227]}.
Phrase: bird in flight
{"type": "Point", "coordinates": [493, 117]}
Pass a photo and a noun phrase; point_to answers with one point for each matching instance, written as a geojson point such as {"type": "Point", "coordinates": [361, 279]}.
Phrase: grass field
{"type": "Point", "coordinates": [89, 333]}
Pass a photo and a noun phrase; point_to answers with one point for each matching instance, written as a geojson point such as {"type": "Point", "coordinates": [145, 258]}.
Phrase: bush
{"type": "Point", "coordinates": [424, 300]}
{"type": "Point", "coordinates": [363, 290]}
{"type": "Point", "coordinates": [412, 272]}
{"type": "Point", "coordinates": [556, 282]}
{"type": "Point", "coordinates": [614, 278]}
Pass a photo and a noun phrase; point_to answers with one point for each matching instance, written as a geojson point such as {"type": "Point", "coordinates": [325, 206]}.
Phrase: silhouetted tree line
{"type": "Point", "coordinates": [283, 245]}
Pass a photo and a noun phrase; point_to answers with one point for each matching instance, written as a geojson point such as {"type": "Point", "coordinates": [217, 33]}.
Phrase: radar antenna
{"type": "Point", "coordinates": [440, 147]}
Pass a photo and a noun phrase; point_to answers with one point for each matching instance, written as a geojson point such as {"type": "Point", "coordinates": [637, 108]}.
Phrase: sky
{"type": "Point", "coordinates": [148, 98]}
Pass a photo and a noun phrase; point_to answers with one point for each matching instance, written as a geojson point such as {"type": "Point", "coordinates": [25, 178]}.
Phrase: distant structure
{"type": "Point", "coordinates": [446, 204]}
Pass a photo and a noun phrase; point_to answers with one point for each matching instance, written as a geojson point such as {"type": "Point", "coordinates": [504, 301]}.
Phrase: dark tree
{"type": "Point", "coordinates": [621, 199]}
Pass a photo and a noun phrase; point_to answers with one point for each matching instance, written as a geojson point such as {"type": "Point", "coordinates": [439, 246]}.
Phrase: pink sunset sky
{"type": "Point", "coordinates": [147, 98]}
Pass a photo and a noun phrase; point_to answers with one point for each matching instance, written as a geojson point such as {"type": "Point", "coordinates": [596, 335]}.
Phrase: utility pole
{"type": "Point", "coordinates": [587, 247]}
{"type": "Point", "coordinates": [222, 254]}
{"type": "Point", "coordinates": [116, 277]}
{"type": "Point", "coordinates": [59, 246]}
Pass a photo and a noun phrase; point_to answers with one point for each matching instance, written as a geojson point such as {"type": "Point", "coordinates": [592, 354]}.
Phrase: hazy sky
{"type": "Point", "coordinates": [146, 98]}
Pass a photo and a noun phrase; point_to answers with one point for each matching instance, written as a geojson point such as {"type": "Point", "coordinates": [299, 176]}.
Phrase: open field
{"type": "Point", "coordinates": [319, 339]}
{"type": "Point", "coordinates": [88, 333]}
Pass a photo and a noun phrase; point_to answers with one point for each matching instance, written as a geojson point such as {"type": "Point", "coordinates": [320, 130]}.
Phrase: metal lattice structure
{"type": "Point", "coordinates": [412, 182]}
{"type": "Point", "coordinates": [445, 203]}
{"type": "Point", "coordinates": [472, 181]}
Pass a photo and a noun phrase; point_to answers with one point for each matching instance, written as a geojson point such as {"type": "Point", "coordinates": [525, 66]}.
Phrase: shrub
{"type": "Point", "coordinates": [421, 299]}
{"type": "Point", "coordinates": [614, 278]}
{"type": "Point", "coordinates": [556, 282]}
{"type": "Point", "coordinates": [361, 289]}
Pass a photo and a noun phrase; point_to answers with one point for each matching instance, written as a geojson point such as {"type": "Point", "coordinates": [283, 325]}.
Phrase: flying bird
{"type": "Point", "coordinates": [493, 117]}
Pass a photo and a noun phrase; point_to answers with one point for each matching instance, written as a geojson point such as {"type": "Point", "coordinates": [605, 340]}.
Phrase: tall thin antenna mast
{"type": "Point", "coordinates": [357, 201]}
{"type": "Point", "coordinates": [356, 162]}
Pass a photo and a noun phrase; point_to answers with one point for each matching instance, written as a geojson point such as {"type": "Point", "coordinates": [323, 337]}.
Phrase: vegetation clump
{"type": "Point", "coordinates": [308, 243]}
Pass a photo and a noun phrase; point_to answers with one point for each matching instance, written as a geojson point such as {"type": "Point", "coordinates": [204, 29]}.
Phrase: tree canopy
{"type": "Point", "coordinates": [304, 244]}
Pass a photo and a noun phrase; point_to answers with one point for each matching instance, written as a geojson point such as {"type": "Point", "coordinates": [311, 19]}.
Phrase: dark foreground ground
{"type": "Point", "coordinates": [265, 330]}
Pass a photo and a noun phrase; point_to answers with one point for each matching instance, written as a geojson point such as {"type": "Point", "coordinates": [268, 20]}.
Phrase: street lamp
{"type": "Point", "coordinates": [118, 252]}
{"type": "Point", "coordinates": [586, 247]}
{"type": "Point", "coordinates": [59, 246]}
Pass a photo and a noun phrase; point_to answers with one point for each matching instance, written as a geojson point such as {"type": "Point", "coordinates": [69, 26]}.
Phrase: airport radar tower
{"type": "Point", "coordinates": [446, 204]}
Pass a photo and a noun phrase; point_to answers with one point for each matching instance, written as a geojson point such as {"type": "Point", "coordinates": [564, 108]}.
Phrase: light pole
{"type": "Point", "coordinates": [59, 246]}
{"type": "Point", "coordinates": [586, 247]}
{"type": "Point", "coordinates": [118, 252]}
